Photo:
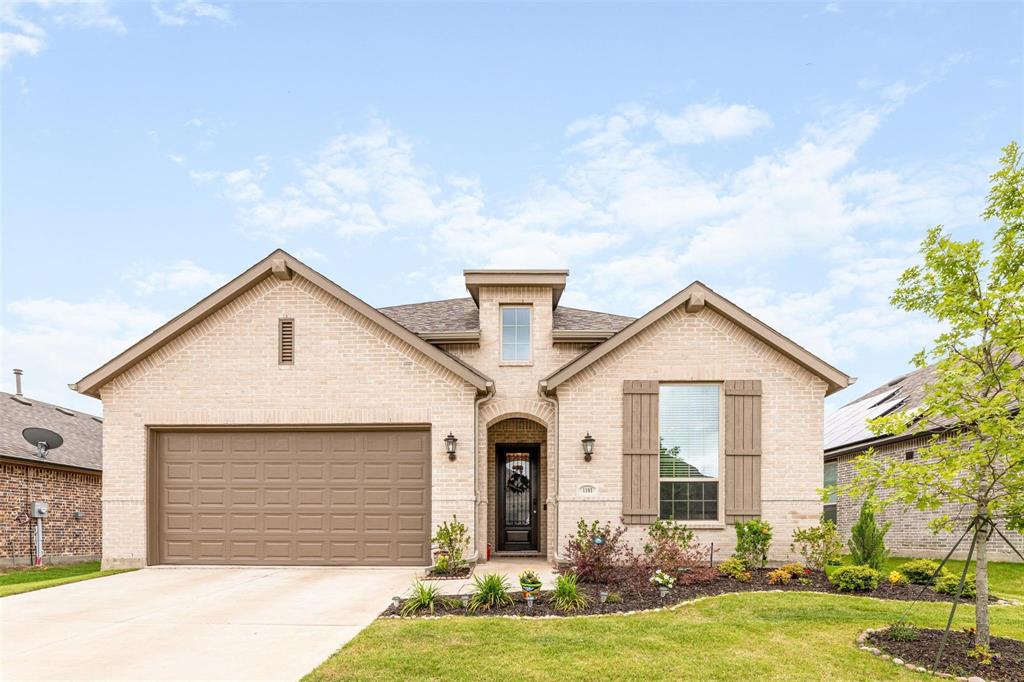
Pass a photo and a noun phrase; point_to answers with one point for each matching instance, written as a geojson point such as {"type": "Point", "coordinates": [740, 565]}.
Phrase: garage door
{"type": "Point", "coordinates": [292, 497]}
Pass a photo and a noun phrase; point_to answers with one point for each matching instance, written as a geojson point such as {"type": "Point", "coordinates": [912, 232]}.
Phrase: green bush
{"type": "Point", "coordinates": [489, 591]}
{"type": "Point", "coordinates": [867, 539]}
{"type": "Point", "coordinates": [425, 597]}
{"type": "Point", "coordinates": [732, 567]}
{"type": "Point", "coordinates": [920, 571]}
{"type": "Point", "coordinates": [753, 539]}
{"type": "Point", "coordinates": [855, 578]}
{"type": "Point", "coordinates": [452, 541]}
{"type": "Point", "coordinates": [567, 595]}
{"type": "Point", "coordinates": [818, 545]}
{"type": "Point", "coordinates": [902, 631]}
{"type": "Point", "coordinates": [947, 583]}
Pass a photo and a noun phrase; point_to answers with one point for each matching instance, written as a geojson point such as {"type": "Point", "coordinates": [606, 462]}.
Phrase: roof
{"type": "Point", "coordinates": [433, 320]}
{"type": "Point", "coordinates": [694, 298]}
{"type": "Point", "coordinates": [82, 433]}
{"type": "Point", "coordinates": [279, 264]}
{"type": "Point", "coordinates": [545, 278]}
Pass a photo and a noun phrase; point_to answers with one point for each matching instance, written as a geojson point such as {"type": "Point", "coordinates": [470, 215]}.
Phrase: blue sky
{"type": "Point", "coordinates": [788, 155]}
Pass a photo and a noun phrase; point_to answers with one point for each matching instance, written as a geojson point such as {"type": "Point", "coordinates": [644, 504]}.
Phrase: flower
{"type": "Point", "coordinates": [662, 579]}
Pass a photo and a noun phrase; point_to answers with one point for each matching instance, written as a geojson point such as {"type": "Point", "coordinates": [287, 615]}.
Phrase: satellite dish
{"type": "Point", "coordinates": [43, 439]}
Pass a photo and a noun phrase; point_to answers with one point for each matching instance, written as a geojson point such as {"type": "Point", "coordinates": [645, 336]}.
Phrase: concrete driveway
{"type": "Point", "coordinates": [192, 623]}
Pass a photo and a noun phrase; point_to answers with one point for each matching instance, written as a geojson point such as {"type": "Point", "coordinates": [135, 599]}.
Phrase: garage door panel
{"type": "Point", "coordinates": [316, 498]}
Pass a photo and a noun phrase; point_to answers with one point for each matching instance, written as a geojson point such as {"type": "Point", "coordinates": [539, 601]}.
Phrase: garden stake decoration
{"type": "Point", "coordinates": [397, 601]}
{"type": "Point", "coordinates": [602, 596]}
{"type": "Point", "coordinates": [529, 600]}
{"type": "Point", "coordinates": [465, 600]}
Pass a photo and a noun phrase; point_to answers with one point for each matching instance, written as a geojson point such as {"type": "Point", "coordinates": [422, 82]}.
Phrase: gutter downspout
{"type": "Point", "coordinates": [542, 391]}
{"type": "Point", "coordinates": [476, 456]}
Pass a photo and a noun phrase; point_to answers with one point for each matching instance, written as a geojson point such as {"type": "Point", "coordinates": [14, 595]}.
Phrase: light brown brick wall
{"type": "Point", "coordinates": [695, 347]}
{"type": "Point", "coordinates": [910, 534]}
{"type": "Point", "coordinates": [224, 371]}
{"type": "Point", "coordinates": [65, 538]}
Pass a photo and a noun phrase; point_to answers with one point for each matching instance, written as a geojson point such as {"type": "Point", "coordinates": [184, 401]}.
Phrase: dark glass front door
{"type": "Point", "coordinates": [518, 487]}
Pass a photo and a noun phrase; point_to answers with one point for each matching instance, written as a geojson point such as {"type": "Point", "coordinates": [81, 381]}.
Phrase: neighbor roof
{"type": "Point", "coordinates": [82, 433]}
{"type": "Point", "coordinates": [279, 264]}
{"type": "Point", "coordinates": [694, 298]}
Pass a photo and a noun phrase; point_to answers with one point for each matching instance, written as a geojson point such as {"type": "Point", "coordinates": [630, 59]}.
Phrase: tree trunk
{"type": "Point", "coordinates": [981, 577]}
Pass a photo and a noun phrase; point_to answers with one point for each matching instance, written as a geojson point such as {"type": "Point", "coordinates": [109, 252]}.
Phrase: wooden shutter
{"type": "Point", "coordinates": [742, 490]}
{"type": "Point", "coordinates": [639, 452]}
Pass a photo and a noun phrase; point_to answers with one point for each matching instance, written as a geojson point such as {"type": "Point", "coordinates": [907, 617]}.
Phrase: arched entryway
{"type": "Point", "coordinates": [517, 487]}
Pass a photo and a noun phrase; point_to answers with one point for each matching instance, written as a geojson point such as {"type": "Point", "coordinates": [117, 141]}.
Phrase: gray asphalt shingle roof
{"type": "Point", "coordinates": [462, 315]}
{"type": "Point", "coordinates": [82, 433]}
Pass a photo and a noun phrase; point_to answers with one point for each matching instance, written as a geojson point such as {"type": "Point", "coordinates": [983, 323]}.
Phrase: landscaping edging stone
{"type": "Point", "coordinates": [862, 639]}
{"type": "Point", "coordinates": [871, 639]}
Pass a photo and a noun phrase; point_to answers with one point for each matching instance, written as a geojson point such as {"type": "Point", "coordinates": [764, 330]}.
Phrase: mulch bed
{"type": "Point", "coordinates": [1007, 667]}
{"type": "Point", "coordinates": [650, 599]}
{"type": "Point", "coordinates": [458, 574]}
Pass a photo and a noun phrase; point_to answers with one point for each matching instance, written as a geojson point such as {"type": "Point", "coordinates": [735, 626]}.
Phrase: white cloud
{"type": "Point", "coordinates": [183, 276]}
{"type": "Point", "coordinates": [24, 36]}
{"type": "Point", "coordinates": [57, 342]}
{"type": "Point", "coordinates": [702, 122]}
{"type": "Point", "coordinates": [182, 13]}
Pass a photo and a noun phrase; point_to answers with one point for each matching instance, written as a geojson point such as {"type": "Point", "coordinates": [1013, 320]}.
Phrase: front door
{"type": "Point", "coordinates": [518, 490]}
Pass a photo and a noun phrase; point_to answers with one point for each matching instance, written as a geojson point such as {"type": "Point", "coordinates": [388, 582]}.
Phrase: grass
{"type": "Point", "coordinates": [1005, 579]}
{"type": "Point", "coordinates": [22, 580]}
{"type": "Point", "coordinates": [776, 636]}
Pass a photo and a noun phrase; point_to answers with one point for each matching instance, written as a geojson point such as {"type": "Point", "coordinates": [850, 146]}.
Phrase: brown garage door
{"type": "Point", "coordinates": [292, 497]}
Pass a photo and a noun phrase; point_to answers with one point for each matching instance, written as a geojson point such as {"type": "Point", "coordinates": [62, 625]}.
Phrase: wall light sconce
{"type": "Point", "coordinates": [588, 447]}
{"type": "Point", "coordinates": [450, 442]}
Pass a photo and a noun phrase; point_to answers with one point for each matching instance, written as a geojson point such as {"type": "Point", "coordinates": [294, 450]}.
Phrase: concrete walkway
{"type": "Point", "coordinates": [192, 623]}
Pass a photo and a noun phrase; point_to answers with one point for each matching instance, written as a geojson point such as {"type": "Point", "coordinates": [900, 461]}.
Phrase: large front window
{"type": "Point", "coordinates": [515, 333]}
{"type": "Point", "coordinates": [688, 422]}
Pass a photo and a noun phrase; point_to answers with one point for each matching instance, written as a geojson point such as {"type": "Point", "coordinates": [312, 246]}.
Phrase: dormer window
{"type": "Point", "coordinates": [515, 333]}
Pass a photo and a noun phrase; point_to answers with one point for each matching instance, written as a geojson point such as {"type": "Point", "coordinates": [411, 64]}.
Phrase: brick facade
{"type": "Point", "coordinates": [910, 534]}
{"type": "Point", "coordinates": [65, 538]}
{"type": "Point", "coordinates": [348, 370]}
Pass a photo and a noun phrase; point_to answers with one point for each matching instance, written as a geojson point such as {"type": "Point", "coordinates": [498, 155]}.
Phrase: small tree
{"type": "Point", "coordinates": [978, 387]}
{"type": "Point", "coordinates": [753, 539]}
{"type": "Point", "coordinates": [818, 545]}
{"type": "Point", "coordinates": [867, 539]}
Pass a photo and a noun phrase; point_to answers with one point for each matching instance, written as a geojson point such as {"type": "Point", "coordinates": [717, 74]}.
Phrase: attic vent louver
{"type": "Point", "coordinates": [286, 345]}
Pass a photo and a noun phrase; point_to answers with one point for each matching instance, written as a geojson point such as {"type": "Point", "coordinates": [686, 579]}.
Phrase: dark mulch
{"type": "Point", "coordinates": [457, 574]}
{"type": "Point", "coordinates": [649, 598]}
{"type": "Point", "coordinates": [1007, 667]}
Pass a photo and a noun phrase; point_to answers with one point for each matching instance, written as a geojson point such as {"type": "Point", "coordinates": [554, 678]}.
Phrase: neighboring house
{"type": "Point", "coordinates": [847, 436]}
{"type": "Point", "coordinates": [282, 420]}
{"type": "Point", "coordinates": [68, 479]}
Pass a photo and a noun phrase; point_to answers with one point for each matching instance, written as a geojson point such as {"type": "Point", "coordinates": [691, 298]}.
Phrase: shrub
{"type": "Point", "coordinates": [867, 539]}
{"type": "Point", "coordinates": [489, 591]}
{"type": "Point", "coordinates": [567, 595]}
{"type": "Point", "coordinates": [669, 548]}
{"type": "Point", "coordinates": [902, 631]}
{"type": "Point", "coordinates": [669, 531]}
{"type": "Point", "coordinates": [743, 576]}
{"type": "Point", "coordinates": [452, 541]}
{"type": "Point", "coordinates": [855, 578]}
{"type": "Point", "coordinates": [596, 552]}
{"type": "Point", "coordinates": [982, 654]}
{"type": "Point", "coordinates": [897, 578]}
{"type": "Point", "coordinates": [947, 583]}
{"type": "Point", "coordinates": [818, 545]}
{"type": "Point", "coordinates": [427, 597]}
{"type": "Point", "coordinates": [442, 564]}
{"type": "Point", "coordinates": [753, 539]}
{"type": "Point", "coordinates": [794, 569]}
{"type": "Point", "coordinates": [920, 571]}
{"type": "Point", "coordinates": [614, 598]}
{"type": "Point", "coordinates": [806, 582]}
{"type": "Point", "coordinates": [732, 567]}
{"type": "Point", "coordinates": [779, 577]}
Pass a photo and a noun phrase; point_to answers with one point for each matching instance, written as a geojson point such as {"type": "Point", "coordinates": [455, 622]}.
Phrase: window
{"type": "Point", "coordinates": [831, 477]}
{"type": "Point", "coordinates": [688, 422]}
{"type": "Point", "coordinates": [515, 334]}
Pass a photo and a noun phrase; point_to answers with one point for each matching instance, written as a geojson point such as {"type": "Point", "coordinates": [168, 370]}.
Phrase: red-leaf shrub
{"type": "Point", "coordinates": [596, 553]}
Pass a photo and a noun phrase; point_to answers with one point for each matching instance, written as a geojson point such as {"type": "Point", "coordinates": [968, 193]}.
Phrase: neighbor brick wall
{"type": "Point", "coordinates": [64, 537]}
{"type": "Point", "coordinates": [702, 347]}
{"type": "Point", "coordinates": [224, 371]}
{"type": "Point", "coordinates": [910, 534]}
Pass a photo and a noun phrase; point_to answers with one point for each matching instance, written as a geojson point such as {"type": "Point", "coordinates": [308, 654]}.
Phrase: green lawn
{"type": "Point", "coordinates": [791, 636]}
{"type": "Point", "coordinates": [1004, 579]}
{"type": "Point", "coordinates": [28, 579]}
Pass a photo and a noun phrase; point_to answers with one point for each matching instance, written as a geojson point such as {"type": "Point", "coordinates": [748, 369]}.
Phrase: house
{"type": "Point", "coordinates": [67, 479]}
{"type": "Point", "coordinates": [282, 420]}
{"type": "Point", "coordinates": [847, 436]}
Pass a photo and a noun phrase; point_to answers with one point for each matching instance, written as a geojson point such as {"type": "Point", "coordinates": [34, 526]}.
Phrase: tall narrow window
{"type": "Point", "coordinates": [515, 333]}
{"type": "Point", "coordinates": [286, 341]}
{"type": "Point", "coordinates": [830, 479]}
{"type": "Point", "coordinates": [689, 425]}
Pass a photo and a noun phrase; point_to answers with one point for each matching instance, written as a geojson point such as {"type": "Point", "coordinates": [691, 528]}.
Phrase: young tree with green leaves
{"type": "Point", "coordinates": [978, 387]}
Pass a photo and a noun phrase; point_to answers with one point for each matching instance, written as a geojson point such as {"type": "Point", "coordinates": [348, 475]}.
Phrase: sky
{"type": "Point", "coordinates": [790, 156]}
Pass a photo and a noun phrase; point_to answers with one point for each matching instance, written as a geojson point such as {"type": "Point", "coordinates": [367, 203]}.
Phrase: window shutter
{"type": "Point", "coordinates": [742, 450]}
{"type": "Point", "coordinates": [639, 452]}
